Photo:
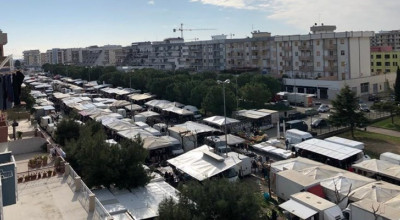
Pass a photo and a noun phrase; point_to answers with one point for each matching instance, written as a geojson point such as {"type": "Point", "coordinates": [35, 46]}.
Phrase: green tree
{"type": "Point", "coordinates": [213, 199]}
{"type": "Point", "coordinates": [214, 100]}
{"type": "Point", "coordinates": [66, 131]}
{"type": "Point", "coordinates": [345, 106]}
{"type": "Point", "coordinates": [397, 86]}
{"type": "Point", "coordinates": [255, 95]}
{"type": "Point", "coordinates": [391, 107]}
{"type": "Point", "coordinates": [27, 98]}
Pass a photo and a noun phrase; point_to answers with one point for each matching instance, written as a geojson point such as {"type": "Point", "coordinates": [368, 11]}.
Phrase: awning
{"type": "Point", "coordinates": [298, 209]}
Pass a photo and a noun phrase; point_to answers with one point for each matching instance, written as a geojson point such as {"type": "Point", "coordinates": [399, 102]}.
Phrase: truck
{"type": "Point", "coordinates": [346, 142]}
{"type": "Point", "coordinates": [390, 157]}
{"type": "Point", "coordinates": [295, 136]}
{"type": "Point", "coordinates": [306, 205]}
{"type": "Point", "coordinates": [301, 99]}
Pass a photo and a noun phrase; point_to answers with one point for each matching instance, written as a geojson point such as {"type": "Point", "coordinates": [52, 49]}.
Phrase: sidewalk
{"type": "Point", "coordinates": [383, 131]}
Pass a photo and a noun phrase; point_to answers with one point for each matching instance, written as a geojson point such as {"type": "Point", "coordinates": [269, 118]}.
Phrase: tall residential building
{"type": "Point", "coordinates": [384, 60]}
{"type": "Point", "coordinates": [250, 53]}
{"type": "Point", "coordinates": [323, 61]}
{"type": "Point", "coordinates": [55, 56]}
{"type": "Point", "coordinates": [43, 58]}
{"type": "Point", "coordinates": [207, 55]}
{"type": "Point", "coordinates": [32, 58]}
{"type": "Point", "coordinates": [3, 41]}
{"type": "Point", "coordinates": [387, 38]}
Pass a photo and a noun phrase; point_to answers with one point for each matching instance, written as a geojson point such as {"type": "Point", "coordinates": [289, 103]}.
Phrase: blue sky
{"type": "Point", "coordinates": [46, 24]}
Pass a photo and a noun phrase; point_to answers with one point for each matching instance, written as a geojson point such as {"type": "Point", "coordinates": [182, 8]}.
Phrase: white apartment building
{"type": "Point", "coordinates": [32, 58]}
{"type": "Point", "coordinates": [168, 54]}
{"type": "Point", "coordinates": [387, 38]}
{"type": "Point", "coordinates": [55, 56]}
{"type": "Point", "coordinates": [322, 60]}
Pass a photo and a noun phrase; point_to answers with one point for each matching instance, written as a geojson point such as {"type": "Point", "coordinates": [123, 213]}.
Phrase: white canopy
{"type": "Point", "coordinates": [373, 165]}
{"type": "Point", "coordinates": [298, 209]}
{"type": "Point", "coordinates": [332, 150]}
{"type": "Point", "coordinates": [133, 107]}
{"type": "Point", "coordinates": [232, 139]}
{"type": "Point", "coordinates": [119, 125]}
{"type": "Point", "coordinates": [267, 148]}
{"type": "Point", "coordinates": [196, 128]}
{"type": "Point", "coordinates": [346, 142]}
{"type": "Point", "coordinates": [133, 133]}
{"type": "Point", "coordinates": [321, 172]}
{"type": "Point", "coordinates": [200, 166]}
{"type": "Point", "coordinates": [392, 172]}
{"type": "Point", "coordinates": [153, 143]}
{"type": "Point", "coordinates": [377, 191]}
{"type": "Point", "coordinates": [120, 103]}
{"type": "Point", "coordinates": [220, 120]}
{"type": "Point", "coordinates": [298, 163]}
{"type": "Point", "coordinates": [139, 97]}
{"type": "Point", "coordinates": [148, 114]}
{"type": "Point", "coordinates": [252, 114]}
{"type": "Point", "coordinates": [178, 111]}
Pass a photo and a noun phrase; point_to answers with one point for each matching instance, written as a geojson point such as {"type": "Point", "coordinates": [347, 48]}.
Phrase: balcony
{"type": "Point", "coordinates": [330, 57]}
{"type": "Point", "coordinates": [305, 58]}
{"type": "Point", "coordinates": [330, 46]}
{"type": "Point", "coordinates": [287, 58]}
{"type": "Point", "coordinates": [306, 68]}
{"type": "Point", "coordinates": [330, 69]}
{"type": "Point", "coordinates": [287, 48]}
{"type": "Point", "coordinates": [305, 47]}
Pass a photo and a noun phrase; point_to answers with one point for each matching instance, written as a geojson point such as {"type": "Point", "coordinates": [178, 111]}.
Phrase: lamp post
{"type": "Point", "coordinates": [223, 92]}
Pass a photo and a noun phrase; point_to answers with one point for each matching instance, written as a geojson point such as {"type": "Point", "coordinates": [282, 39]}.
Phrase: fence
{"type": "Point", "coordinates": [99, 211]}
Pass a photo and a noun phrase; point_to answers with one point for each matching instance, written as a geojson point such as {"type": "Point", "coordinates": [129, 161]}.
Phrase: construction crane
{"type": "Point", "coordinates": [181, 29]}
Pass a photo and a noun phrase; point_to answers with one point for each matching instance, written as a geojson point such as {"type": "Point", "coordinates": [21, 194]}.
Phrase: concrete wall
{"type": "Point", "coordinates": [23, 146]}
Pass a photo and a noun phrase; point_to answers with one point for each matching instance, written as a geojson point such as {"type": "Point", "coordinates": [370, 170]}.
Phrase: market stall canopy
{"type": "Point", "coordinates": [298, 163]}
{"type": "Point", "coordinates": [153, 143]}
{"type": "Point", "coordinates": [118, 125]}
{"type": "Point", "coordinates": [133, 107]}
{"type": "Point", "coordinates": [120, 103]}
{"type": "Point", "coordinates": [196, 128]}
{"type": "Point", "coordinates": [115, 115]}
{"type": "Point", "coordinates": [198, 164]}
{"type": "Point", "coordinates": [252, 114]}
{"type": "Point", "coordinates": [379, 191]}
{"type": "Point", "coordinates": [332, 150]}
{"type": "Point", "coordinates": [133, 133]}
{"type": "Point", "coordinates": [392, 172]}
{"type": "Point", "coordinates": [93, 111]}
{"type": "Point", "coordinates": [267, 148]}
{"type": "Point", "coordinates": [232, 139]}
{"type": "Point", "coordinates": [373, 165]}
{"type": "Point", "coordinates": [220, 120]}
{"type": "Point", "coordinates": [322, 172]}
{"type": "Point", "coordinates": [148, 114]}
{"type": "Point", "coordinates": [384, 212]}
{"type": "Point", "coordinates": [139, 97]}
{"type": "Point", "coordinates": [178, 111]}
{"type": "Point", "coordinates": [298, 209]}
{"type": "Point", "coordinates": [345, 182]}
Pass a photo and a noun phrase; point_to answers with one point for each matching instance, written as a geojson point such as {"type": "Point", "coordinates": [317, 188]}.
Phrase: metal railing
{"type": "Point", "coordinates": [99, 211]}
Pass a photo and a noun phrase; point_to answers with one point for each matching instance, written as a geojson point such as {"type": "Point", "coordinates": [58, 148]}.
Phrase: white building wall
{"type": "Point", "coordinates": [343, 60]}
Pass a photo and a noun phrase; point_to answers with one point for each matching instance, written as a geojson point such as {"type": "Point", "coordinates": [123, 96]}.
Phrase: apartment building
{"type": "Point", "coordinates": [3, 41]}
{"type": "Point", "coordinates": [324, 61]}
{"type": "Point", "coordinates": [251, 53]}
{"type": "Point", "coordinates": [43, 58]}
{"type": "Point", "coordinates": [73, 56]}
{"type": "Point", "coordinates": [55, 56]}
{"type": "Point", "coordinates": [207, 55]}
{"type": "Point", "coordinates": [384, 60]}
{"type": "Point", "coordinates": [32, 58]}
{"type": "Point", "coordinates": [387, 38]}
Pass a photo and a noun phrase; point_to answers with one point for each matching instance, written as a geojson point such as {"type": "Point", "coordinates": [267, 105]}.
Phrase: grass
{"type": "Point", "coordinates": [387, 123]}
{"type": "Point", "coordinates": [375, 143]}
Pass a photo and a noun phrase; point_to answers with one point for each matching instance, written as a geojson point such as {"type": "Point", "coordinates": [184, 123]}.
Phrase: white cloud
{"type": "Point", "coordinates": [151, 2]}
{"type": "Point", "coordinates": [347, 15]}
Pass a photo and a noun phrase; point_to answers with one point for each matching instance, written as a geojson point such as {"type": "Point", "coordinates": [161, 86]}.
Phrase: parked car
{"type": "Point", "coordinates": [295, 124]}
{"type": "Point", "coordinates": [363, 108]}
{"type": "Point", "coordinates": [296, 115]}
{"type": "Point", "coordinates": [319, 123]}
{"type": "Point", "coordinates": [324, 108]}
{"type": "Point", "coordinates": [311, 112]}
{"type": "Point", "coordinates": [373, 98]}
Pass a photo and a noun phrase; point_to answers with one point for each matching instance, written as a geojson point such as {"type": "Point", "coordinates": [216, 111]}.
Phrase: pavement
{"type": "Point", "coordinates": [383, 131]}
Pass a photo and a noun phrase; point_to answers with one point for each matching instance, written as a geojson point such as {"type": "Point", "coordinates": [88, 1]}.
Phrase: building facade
{"type": "Point", "coordinates": [3, 41]}
{"type": "Point", "coordinates": [32, 58]}
{"type": "Point", "coordinates": [384, 60]}
{"type": "Point", "coordinates": [387, 38]}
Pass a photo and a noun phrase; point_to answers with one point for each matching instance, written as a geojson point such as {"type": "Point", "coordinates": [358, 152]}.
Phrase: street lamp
{"type": "Point", "coordinates": [223, 92]}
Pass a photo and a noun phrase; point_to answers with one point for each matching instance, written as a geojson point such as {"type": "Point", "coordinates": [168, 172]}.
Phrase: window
{"type": "Point", "coordinates": [343, 63]}
{"type": "Point", "coordinates": [318, 64]}
{"type": "Point", "coordinates": [318, 53]}
{"type": "Point", "coordinates": [378, 63]}
{"type": "Point", "coordinates": [280, 44]}
{"type": "Point", "coordinates": [372, 56]}
{"type": "Point", "coordinates": [372, 70]}
{"type": "Point", "coordinates": [341, 41]}
{"type": "Point", "coordinates": [296, 63]}
{"type": "Point", "coordinates": [280, 64]}
{"type": "Point", "coordinates": [317, 42]}
{"type": "Point", "coordinates": [280, 54]}
{"type": "Point", "coordinates": [372, 63]}
{"type": "Point", "coordinates": [387, 70]}
{"type": "Point", "coordinates": [387, 63]}
{"type": "Point", "coordinates": [387, 56]}
{"type": "Point", "coordinates": [342, 52]}
{"type": "Point", "coordinates": [394, 56]}
{"type": "Point", "coordinates": [295, 43]}
{"type": "Point", "coordinates": [364, 87]}
{"type": "Point", "coordinates": [394, 63]}
{"type": "Point", "coordinates": [296, 53]}
{"type": "Point", "coordinates": [378, 56]}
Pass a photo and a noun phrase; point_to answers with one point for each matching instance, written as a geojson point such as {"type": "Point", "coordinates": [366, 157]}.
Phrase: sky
{"type": "Point", "coordinates": [46, 24]}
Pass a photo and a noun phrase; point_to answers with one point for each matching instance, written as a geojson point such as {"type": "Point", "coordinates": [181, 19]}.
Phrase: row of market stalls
{"type": "Point", "coordinates": [341, 187]}
{"type": "Point", "coordinates": [379, 169]}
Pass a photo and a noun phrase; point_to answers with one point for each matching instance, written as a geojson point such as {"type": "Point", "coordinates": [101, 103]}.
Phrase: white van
{"type": "Point", "coordinates": [390, 157]}
{"type": "Point", "coordinates": [193, 109]}
{"type": "Point", "coordinates": [295, 136]}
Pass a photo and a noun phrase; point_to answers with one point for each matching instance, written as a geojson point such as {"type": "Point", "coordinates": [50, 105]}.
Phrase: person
{"type": "Point", "coordinates": [287, 144]}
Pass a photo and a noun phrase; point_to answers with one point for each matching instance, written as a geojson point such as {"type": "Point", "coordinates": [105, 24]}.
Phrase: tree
{"type": "Point", "coordinates": [345, 114]}
{"type": "Point", "coordinates": [397, 86]}
{"type": "Point", "coordinates": [213, 199]}
{"type": "Point", "coordinates": [214, 100]}
{"type": "Point", "coordinates": [389, 106]}
{"type": "Point", "coordinates": [66, 131]}
{"type": "Point", "coordinates": [255, 95]}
